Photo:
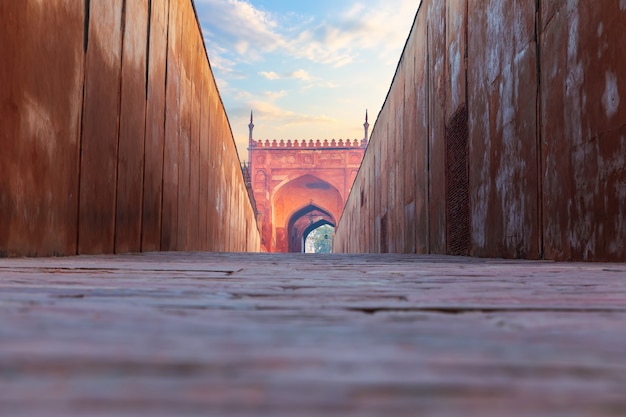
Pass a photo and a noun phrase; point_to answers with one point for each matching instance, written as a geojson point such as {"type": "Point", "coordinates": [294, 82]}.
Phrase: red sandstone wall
{"type": "Point", "coordinates": [113, 134]}
{"type": "Point", "coordinates": [502, 135]}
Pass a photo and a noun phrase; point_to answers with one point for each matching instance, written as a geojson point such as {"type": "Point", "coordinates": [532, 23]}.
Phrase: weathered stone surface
{"type": "Point", "coordinates": [169, 225]}
{"type": "Point", "coordinates": [100, 129]}
{"type": "Point", "coordinates": [503, 142]}
{"type": "Point", "coordinates": [546, 135]}
{"type": "Point", "coordinates": [40, 125]}
{"type": "Point", "coordinates": [130, 160]}
{"type": "Point", "coordinates": [583, 128]}
{"type": "Point", "coordinates": [100, 132]}
{"type": "Point", "coordinates": [155, 127]}
{"type": "Point", "coordinates": [283, 335]}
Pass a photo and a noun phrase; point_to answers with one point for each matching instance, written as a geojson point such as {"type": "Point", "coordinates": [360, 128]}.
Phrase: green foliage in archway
{"type": "Point", "coordinates": [320, 240]}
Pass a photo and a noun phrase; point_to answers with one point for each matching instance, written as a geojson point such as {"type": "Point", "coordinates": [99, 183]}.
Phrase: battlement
{"type": "Point", "coordinates": [290, 144]}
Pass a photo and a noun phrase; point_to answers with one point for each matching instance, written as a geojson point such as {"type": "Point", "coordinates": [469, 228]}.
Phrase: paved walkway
{"type": "Point", "coordinates": [295, 335]}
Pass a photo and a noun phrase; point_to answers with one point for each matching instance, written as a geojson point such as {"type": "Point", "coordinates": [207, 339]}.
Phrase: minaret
{"type": "Point", "coordinates": [250, 139]}
{"type": "Point", "coordinates": [366, 125]}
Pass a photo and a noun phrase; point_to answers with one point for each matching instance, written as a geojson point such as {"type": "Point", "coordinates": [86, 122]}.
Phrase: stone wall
{"type": "Point", "coordinates": [502, 135]}
{"type": "Point", "coordinates": [114, 137]}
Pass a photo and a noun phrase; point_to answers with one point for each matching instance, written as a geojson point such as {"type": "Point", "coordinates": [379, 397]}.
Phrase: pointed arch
{"type": "Point", "coordinates": [302, 191]}
{"type": "Point", "coordinates": [312, 177]}
{"type": "Point", "coordinates": [304, 220]}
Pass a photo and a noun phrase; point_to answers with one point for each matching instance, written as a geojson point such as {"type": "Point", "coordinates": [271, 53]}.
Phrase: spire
{"type": "Point", "coordinates": [250, 139]}
{"type": "Point", "coordinates": [366, 125]}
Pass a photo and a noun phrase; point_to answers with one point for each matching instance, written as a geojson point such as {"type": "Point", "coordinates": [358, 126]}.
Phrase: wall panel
{"type": "Point", "coordinates": [41, 74]}
{"type": "Point", "coordinates": [203, 193]}
{"type": "Point", "coordinates": [184, 140]}
{"type": "Point", "coordinates": [130, 161]}
{"type": "Point", "coordinates": [155, 126]}
{"type": "Point", "coordinates": [422, 179]}
{"type": "Point", "coordinates": [583, 129]}
{"type": "Point", "coordinates": [194, 180]}
{"type": "Point", "coordinates": [409, 152]}
{"type": "Point", "coordinates": [100, 129]}
{"type": "Point", "coordinates": [169, 223]}
{"type": "Point", "coordinates": [436, 76]}
{"type": "Point", "coordinates": [502, 82]}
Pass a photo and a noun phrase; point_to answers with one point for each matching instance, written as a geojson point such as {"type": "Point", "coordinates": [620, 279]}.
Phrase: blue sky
{"type": "Point", "coordinates": [308, 69]}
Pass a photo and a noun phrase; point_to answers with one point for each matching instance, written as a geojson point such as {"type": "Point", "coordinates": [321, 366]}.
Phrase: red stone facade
{"type": "Point", "coordinates": [300, 185]}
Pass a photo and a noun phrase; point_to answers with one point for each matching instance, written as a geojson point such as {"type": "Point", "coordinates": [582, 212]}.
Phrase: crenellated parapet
{"type": "Point", "coordinates": [320, 144]}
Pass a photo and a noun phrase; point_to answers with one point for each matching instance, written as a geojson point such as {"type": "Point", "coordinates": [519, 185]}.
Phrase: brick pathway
{"type": "Point", "coordinates": [295, 335]}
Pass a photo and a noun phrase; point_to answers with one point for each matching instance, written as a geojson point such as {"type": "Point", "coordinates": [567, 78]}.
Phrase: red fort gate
{"type": "Point", "coordinates": [300, 185]}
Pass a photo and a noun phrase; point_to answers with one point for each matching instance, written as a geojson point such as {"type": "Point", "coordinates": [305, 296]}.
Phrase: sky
{"type": "Point", "coordinates": [308, 69]}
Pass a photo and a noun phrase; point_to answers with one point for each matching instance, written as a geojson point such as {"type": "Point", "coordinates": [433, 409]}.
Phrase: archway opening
{"type": "Point", "coordinates": [319, 239]}
{"type": "Point", "coordinates": [303, 222]}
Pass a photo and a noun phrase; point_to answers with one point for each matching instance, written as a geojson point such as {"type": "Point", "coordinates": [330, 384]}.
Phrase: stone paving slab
{"type": "Point", "coordinates": [197, 334]}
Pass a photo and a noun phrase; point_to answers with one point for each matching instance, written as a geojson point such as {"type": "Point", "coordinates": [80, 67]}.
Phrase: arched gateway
{"type": "Point", "coordinates": [300, 185]}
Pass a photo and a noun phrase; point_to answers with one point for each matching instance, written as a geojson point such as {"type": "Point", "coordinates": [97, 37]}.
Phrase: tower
{"type": "Point", "coordinates": [366, 126]}
{"type": "Point", "coordinates": [250, 139]}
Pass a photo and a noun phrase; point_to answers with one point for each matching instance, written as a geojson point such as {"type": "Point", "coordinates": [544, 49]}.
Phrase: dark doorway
{"type": "Point", "coordinates": [303, 222]}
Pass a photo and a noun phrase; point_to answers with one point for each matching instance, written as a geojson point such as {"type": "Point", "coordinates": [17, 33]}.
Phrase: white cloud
{"type": "Point", "coordinates": [248, 30]}
{"type": "Point", "coordinates": [296, 75]}
{"type": "Point", "coordinates": [270, 75]}
{"type": "Point", "coordinates": [242, 47]}
{"type": "Point", "coordinates": [270, 112]}
{"type": "Point", "coordinates": [375, 26]}
{"type": "Point", "coordinates": [321, 84]}
{"type": "Point", "coordinates": [300, 75]}
{"type": "Point", "coordinates": [243, 95]}
{"type": "Point", "coordinates": [274, 95]}
{"type": "Point", "coordinates": [330, 84]}
{"type": "Point", "coordinates": [374, 30]}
